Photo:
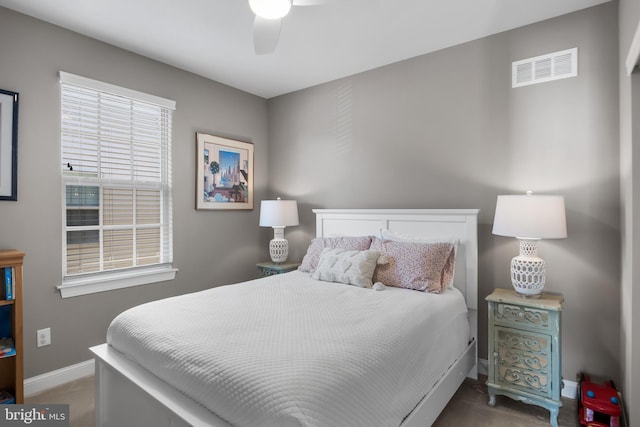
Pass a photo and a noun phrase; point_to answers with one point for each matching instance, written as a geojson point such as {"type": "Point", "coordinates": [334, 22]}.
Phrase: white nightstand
{"type": "Point", "coordinates": [525, 349]}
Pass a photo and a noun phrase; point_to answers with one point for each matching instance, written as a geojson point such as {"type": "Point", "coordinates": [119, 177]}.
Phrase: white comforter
{"type": "Point", "coordinates": [288, 350]}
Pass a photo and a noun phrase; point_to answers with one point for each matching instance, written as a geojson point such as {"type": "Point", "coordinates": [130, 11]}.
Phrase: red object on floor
{"type": "Point", "coordinates": [599, 404]}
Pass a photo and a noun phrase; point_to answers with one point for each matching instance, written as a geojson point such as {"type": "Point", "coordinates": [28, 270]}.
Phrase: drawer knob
{"type": "Point", "coordinates": [521, 315]}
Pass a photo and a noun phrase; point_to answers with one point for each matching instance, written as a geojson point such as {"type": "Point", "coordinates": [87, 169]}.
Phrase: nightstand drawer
{"type": "Point", "coordinates": [522, 361]}
{"type": "Point", "coordinates": [522, 316]}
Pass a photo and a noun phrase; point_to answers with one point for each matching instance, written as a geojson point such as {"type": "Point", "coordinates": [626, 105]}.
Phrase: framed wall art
{"type": "Point", "coordinates": [8, 145]}
{"type": "Point", "coordinates": [224, 174]}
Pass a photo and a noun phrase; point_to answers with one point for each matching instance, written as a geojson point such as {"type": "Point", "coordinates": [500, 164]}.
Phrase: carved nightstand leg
{"type": "Point", "coordinates": [492, 398]}
{"type": "Point", "coordinates": [553, 418]}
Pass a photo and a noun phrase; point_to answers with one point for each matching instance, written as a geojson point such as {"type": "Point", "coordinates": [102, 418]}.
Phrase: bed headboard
{"type": "Point", "coordinates": [460, 224]}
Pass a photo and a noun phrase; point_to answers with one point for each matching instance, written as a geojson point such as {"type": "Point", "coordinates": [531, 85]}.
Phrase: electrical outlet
{"type": "Point", "coordinates": [44, 337]}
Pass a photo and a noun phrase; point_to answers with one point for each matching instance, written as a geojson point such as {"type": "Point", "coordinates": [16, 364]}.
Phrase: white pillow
{"type": "Point", "coordinates": [311, 258]}
{"type": "Point", "coordinates": [348, 267]}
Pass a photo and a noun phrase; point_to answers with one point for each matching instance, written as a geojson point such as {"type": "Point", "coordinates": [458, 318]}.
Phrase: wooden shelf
{"type": "Point", "coordinates": [11, 367]}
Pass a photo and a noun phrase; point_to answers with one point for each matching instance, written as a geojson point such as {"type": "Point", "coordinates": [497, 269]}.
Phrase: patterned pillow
{"type": "Point", "coordinates": [449, 268]}
{"type": "Point", "coordinates": [412, 265]}
{"type": "Point", "coordinates": [348, 267]}
{"type": "Point", "coordinates": [311, 258]}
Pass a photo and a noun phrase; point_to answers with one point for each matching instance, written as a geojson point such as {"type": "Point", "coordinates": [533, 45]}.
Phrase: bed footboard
{"type": "Point", "coordinates": [127, 395]}
{"type": "Point", "coordinates": [433, 403]}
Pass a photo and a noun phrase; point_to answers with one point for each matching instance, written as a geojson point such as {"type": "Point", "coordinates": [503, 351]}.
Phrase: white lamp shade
{"type": "Point", "coordinates": [278, 213]}
{"type": "Point", "coordinates": [270, 9]}
{"type": "Point", "coordinates": [530, 217]}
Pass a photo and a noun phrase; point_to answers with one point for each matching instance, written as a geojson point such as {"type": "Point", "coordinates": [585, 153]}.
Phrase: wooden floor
{"type": "Point", "coordinates": [467, 408]}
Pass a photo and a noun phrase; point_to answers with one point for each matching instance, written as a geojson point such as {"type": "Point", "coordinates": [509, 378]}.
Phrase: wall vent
{"type": "Point", "coordinates": [545, 68]}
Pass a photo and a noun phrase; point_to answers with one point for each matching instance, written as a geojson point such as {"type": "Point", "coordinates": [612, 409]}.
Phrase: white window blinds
{"type": "Point", "coordinates": [116, 168]}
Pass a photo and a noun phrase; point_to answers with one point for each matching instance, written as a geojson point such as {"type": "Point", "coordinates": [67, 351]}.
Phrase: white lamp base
{"type": "Point", "coordinates": [279, 250]}
{"type": "Point", "coordinates": [278, 246]}
{"type": "Point", "coordinates": [528, 270]}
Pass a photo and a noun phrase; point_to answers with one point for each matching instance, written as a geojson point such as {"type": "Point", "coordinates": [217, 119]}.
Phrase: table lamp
{"type": "Point", "coordinates": [278, 214]}
{"type": "Point", "coordinates": [529, 218]}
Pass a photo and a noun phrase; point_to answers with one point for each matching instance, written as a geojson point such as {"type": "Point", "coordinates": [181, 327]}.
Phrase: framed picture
{"type": "Point", "coordinates": [8, 145]}
{"type": "Point", "coordinates": [224, 177]}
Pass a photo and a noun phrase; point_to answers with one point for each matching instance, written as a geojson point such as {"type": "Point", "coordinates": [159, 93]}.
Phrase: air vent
{"type": "Point", "coordinates": [545, 68]}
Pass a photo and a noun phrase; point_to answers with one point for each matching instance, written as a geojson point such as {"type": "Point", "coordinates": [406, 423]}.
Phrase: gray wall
{"type": "Point", "coordinates": [445, 130]}
{"type": "Point", "coordinates": [629, 14]}
{"type": "Point", "coordinates": [210, 247]}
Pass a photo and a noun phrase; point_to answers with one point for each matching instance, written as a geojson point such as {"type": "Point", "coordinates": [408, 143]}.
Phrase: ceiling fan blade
{"type": "Point", "coordinates": [266, 33]}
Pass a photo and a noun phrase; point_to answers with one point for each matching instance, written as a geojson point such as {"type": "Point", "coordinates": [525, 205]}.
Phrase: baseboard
{"type": "Point", "coordinates": [58, 377]}
{"type": "Point", "coordinates": [483, 367]}
{"type": "Point", "coordinates": [569, 388]}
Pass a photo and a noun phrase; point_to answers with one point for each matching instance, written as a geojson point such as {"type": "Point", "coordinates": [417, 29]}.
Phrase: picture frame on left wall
{"type": "Point", "coordinates": [224, 177]}
{"type": "Point", "coordinates": [8, 145]}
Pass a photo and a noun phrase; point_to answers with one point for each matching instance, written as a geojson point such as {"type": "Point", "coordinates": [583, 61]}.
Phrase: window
{"type": "Point", "coordinates": [116, 172]}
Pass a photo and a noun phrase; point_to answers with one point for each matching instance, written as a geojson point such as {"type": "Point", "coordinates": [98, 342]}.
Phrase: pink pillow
{"type": "Point", "coordinates": [311, 258]}
{"type": "Point", "coordinates": [420, 266]}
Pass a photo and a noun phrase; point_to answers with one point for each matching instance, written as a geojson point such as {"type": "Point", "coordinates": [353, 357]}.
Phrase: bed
{"type": "Point", "coordinates": [154, 395]}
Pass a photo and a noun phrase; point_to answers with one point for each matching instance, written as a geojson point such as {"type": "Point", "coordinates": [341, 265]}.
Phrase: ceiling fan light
{"type": "Point", "coordinates": [270, 9]}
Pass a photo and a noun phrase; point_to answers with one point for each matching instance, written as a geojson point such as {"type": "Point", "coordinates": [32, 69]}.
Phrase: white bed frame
{"type": "Point", "coordinates": [128, 395]}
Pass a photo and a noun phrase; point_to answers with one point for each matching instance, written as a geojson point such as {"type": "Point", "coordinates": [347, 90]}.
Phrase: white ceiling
{"type": "Point", "coordinates": [213, 38]}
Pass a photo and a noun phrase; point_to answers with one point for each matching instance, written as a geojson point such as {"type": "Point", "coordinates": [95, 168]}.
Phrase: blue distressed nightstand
{"type": "Point", "coordinates": [524, 349]}
{"type": "Point", "coordinates": [270, 268]}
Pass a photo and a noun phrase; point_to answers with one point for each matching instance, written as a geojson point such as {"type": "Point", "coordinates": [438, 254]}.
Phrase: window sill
{"type": "Point", "coordinates": [74, 286]}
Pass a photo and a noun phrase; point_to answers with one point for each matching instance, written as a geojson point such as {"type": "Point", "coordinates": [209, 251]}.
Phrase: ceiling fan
{"type": "Point", "coordinates": [268, 21]}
